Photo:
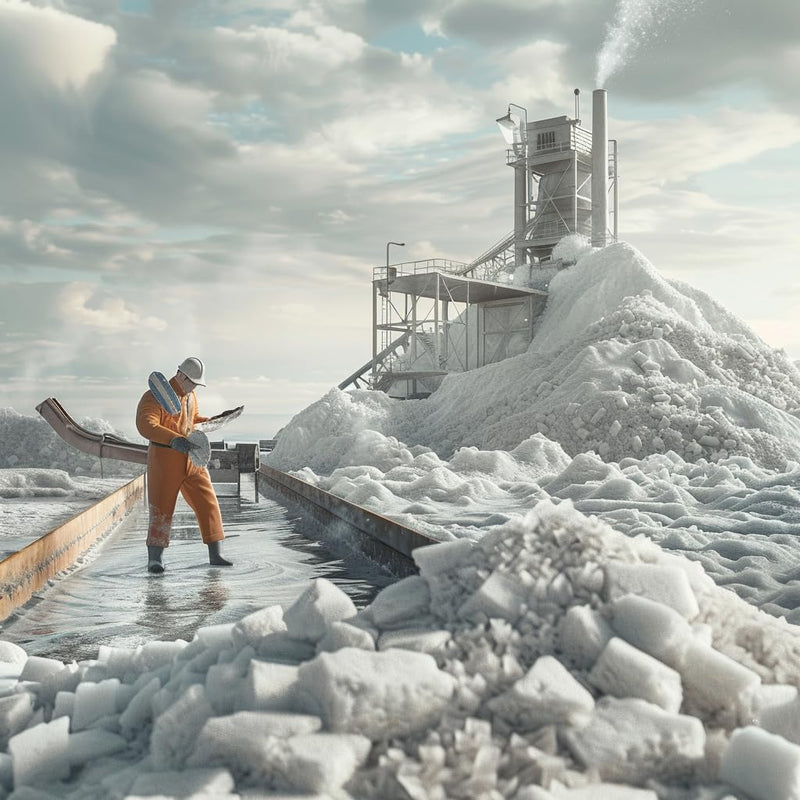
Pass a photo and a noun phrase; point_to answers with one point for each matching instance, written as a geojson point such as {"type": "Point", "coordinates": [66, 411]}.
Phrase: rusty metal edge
{"type": "Point", "coordinates": [400, 539]}
{"type": "Point", "coordinates": [27, 570]}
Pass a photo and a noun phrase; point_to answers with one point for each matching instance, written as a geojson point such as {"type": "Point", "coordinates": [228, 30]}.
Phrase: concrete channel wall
{"type": "Point", "coordinates": [27, 570]}
{"type": "Point", "coordinates": [378, 537]}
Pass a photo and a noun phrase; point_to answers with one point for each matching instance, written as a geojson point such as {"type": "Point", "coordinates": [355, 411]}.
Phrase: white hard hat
{"type": "Point", "coordinates": [193, 369]}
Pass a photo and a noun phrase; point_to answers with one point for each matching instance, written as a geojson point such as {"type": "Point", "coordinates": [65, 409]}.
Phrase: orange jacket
{"type": "Point", "coordinates": [156, 425]}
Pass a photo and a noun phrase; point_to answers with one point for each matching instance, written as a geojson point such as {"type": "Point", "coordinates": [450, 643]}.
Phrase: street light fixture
{"type": "Point", "coordinates": [515, 131]}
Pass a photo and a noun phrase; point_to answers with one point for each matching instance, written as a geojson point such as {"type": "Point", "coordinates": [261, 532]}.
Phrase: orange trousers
{"type": "Point", "coordinates": [170, 472]}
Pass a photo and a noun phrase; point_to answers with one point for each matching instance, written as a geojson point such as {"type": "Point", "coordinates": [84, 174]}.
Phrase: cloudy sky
{"type": "Point", "coordinates": [219, 177]}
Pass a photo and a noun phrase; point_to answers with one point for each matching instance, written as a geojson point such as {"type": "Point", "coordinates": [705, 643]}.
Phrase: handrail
{"type": "Point", "coordinates": [103, 445]}
{"type": "Point", "coordinates": [398, 342]}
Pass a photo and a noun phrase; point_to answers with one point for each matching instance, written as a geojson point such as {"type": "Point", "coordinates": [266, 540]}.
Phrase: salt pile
{"type": "Point", "coordinates": [554, 658]}
{"type": "Point", "coordinates": [640, 400]}
{"type": "Point", "coordinates": [28, 441]}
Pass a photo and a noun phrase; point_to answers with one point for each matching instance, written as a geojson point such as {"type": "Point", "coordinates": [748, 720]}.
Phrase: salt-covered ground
{"type": "Point", "coordinates": [540, 653]}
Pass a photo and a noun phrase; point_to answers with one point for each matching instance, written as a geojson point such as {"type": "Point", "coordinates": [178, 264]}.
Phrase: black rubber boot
{"type": "Point", "coordinates": [215, 558]}
{"type": "Point", "coordinates": [154, 559]}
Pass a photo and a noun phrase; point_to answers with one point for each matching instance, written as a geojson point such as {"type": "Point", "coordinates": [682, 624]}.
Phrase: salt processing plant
{"type": "Point", "coordinates": [582, 480]}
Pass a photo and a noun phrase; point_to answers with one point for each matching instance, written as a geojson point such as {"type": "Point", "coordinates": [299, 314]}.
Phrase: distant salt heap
{"type": "Point", "coordinates": [555, 658]}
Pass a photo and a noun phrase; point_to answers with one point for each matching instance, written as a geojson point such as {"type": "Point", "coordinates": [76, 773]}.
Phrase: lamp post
{"type": "Point", "coordinates": [516, 135]}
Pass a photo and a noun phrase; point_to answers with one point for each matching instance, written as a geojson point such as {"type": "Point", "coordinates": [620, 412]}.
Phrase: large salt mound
{"type": "Point", "coordinates": [554, 658]}
{"type": "Point", "coordinates": [623, 363]}
{"type": "Point", "coordinates": [28, 441]}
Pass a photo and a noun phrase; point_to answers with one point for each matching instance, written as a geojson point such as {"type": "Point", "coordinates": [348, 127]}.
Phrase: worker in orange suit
{"type": "Point", "coordinates": [170, 469]}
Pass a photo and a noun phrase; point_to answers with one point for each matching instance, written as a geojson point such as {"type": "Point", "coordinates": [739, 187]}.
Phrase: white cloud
{"type": "Point", "coordinates": [57, 47]}
{"type": "Point", "coordinates": [82, 305]}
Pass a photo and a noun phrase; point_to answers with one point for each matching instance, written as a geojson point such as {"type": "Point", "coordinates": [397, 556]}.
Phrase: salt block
{"type": "Point", "coordinates": [216, 637]}
{"type": "Point", "coordinates": [498, 596]}
{"type": "Point", "coordinates": [320, 604]}
{"type": "Point", "coordinates": [16, 712]}
{"type": "Point", "coordinates": [394, 692]}
{"type": "Point", "coordinates": [140, 708]}
{"type": "Point", "coordinates": [267, 687]}
{"type": "Point", "coordinates": [547, 694]}
{"type": "Point", "coordinates": [153, 655]}
{"type": "Point", "coordinates": [602, 791]}
{"type": "Point", "coordinates": [92, 701]}
{"type": "Point", "coordinates": [249, 629]}
{"type": "Point", "coordinates": [188, 783]}
{"type": "Point", "coordinates": [583, 635]}
{"type": "Point", "coordinates": [342, 634]}
{"type": "Point", "coordinates": [631, 740]}
{"type": "Point", "coordinates": [117, 660]}
{"type": "Point", "coordinates": [222, 685]}
{"type": "Point", "coordinates": [6, 770]}
{"type": "Point", "coordinates": [625, 671]}
{"type": "Point", "coordinates": [533, 793]}
{"type": "Point", "coordinates": [715, 682]}
{"type": "Point", "coordinates": [242, 742]}
{"type": "Point", "coordinates": [283, 646]}
{"type": "Point", "coordinates": [401, 602]}
{"type": "Point", "coordinates": [174, 732]}
{"type": "Point", "coordinates": [11, 653]}
{"type": "Point", "coordinates": [663, 583]}
{"type": "Point", "coordinates": [776, 708]}
{"type": "Point", "coordinates": [40, 669]}
{"type": "Point", "coordinates": [87, 746]}
{"type": "Point", "coordinates": [655, 628]}
{"type": "Point", "coordinates": [762, 765]}
{"type": "Point", "coordinates": [441, 557]}
{"type": "Point", "coordinates": [415, 639]}
{"type": "Point", "coordinates": [321, 762]}
{"type": "Point", "coordinates": [64, 704]}
{"type": "Point", "coordinates": [39, 754]}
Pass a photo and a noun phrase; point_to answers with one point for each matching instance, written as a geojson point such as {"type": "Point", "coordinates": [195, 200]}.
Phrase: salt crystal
{"type": "Point", "coordinates": [139, 709]}
{"type": "Point", "coordinates": [40, 753]}
{"type": "Point", "coordinates": [776, 708]}
{"type": "Point", "coordinates": [267, 687]}
{"type": "Point", "coordinates": [321, 762]}
{"type": "Point", "coordinates": [16, 712]}
{"type": "Point", "coordinates": [342, 634]}
{"type": "Point", "coordinates": [251, 628]}
{"type": "Point", "coordinates": [175, 730]}
{"type": "Point", "coordinates": [321, 603]}
{"type": "Point", "coordinates": [93, 701]}
{"type": "Point", "coordinates": [88, 746]}
{"type": "Point", "coordinates": [664, 584]}
{"type": "Point", "coordinates": [583, 635]}
{"type": "Point", "coordinates": [715, 682]}
{"type": "Point", "coordinates": [11, 653]}
{"type": "Point", "coordinates": [652, 627]}
{"type": "Point", "coordinates": [498, 596]}
{"type": "Point", "coordinates": [401, 602]}
{"type": "Point", "coordinates": [624, 671]}
{"type": "Point", "coordinates": [390, 693]}
{"type": "Point", "coordinates": [423, 641]}
{"type": "Point", "coordinates": [40, 669]}
{"type": "Point", "coordinates": [761, 764]}
{"type": "Point", "coordinates": [614, 428]}
{"type": "Point", "coordinates": [190, 783]}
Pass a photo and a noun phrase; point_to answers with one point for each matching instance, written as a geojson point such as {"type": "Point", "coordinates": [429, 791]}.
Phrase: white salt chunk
{"type": "Point", "coordinates": [652, 627]}
{"type": "Point", "coordinates": [625, 671]}
{"type": "Point", "coordinates": [216, 637]}
{"type": "Point", "coordinates": [249, 629]}
{"type": "Point", "coordinates": [153, 655]}
{"type": "Point", "coordinates": [40, 669]}
{"type": "Point", "coordinates": [583, 635]}
{"type": "Point", "coordinates": [267, 687]}
{"type": "Point", "coordinates": [195, 783]}
{"type": "Point", "coordinates": [242, 741]}
{"type": "Point", "coordinates": [283, 646]}
{"type": "Point", "coordinates": [320, 604]}
{"type": "Point", "coordinates": [761, 764]}
{"type": "Point", "coordinates": [222, 684]}
{"type": "Point", "coordinates": [631, 740]}
{"type": "Point", "coordinates": [16, 712]}
{"type": "Point", "coordinates": [11, 653]}
{"type": "Point", "coordinates": [139, 709]}
{"type": "Point", "coordinates": [663, 583]}
{"type": "Point", "coordinates": [342, 634]}
{"type": "Point", "coordinates": [322, 762]}
{"type": "Point", "coordinates": [415, 639]}
{"type": "Point", "coordinates": [87, 746]}
{"type": "Point", "coordinates": [401, 602]}
{"type": "Point", "coordinates": [39, 754]}
{"type": "Point", "coordinates": [547, 694]}
{"type": "Point", "coordinates": [441, 557]}
{"type": "Point", "coordinates": [776, 708]}
{"type": "Point", "coordinates": [93, 701]}
{"type": "Point", "coordinates": [498, 597]}
{"type": "Point", "coordinates": [64, 704]}
{"type": "Point", "coordinates": [601, 791]}
{"type": "Point", "coordinates": [175, 730]}
{"type": "Point", "coordinates": [395, 692]}
{"type": "Point", "coordinates": [715, 682]}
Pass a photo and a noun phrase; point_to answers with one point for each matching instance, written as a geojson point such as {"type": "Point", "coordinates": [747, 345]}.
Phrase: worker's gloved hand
{"type": "Point", "coordinates": [230, 411]}
{"type": "Point", "coordinates": [182, 444]}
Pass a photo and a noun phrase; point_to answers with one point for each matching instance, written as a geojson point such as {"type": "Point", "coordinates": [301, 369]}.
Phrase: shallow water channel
{"type": "Point", "coordinates": [112, 600]}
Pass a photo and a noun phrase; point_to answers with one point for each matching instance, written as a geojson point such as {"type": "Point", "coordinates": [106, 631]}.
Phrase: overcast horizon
{"type": "Point", "coordinates": [219, 178]}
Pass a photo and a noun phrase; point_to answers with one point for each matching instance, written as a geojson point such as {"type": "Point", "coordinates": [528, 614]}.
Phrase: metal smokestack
{"type": "Point", "coordinates": [599, 168]}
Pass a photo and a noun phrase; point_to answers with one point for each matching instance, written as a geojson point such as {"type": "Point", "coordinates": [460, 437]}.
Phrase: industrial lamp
{"type": "Point", "coordinates": [515, 132]}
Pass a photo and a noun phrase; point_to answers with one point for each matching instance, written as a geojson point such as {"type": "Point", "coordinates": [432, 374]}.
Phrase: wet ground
{"type": "Point", "coordinates": [113, 600]}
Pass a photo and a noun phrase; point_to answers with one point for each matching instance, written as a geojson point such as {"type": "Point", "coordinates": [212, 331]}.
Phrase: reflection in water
{"type": "Point", "coordinates": [113, 601]}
